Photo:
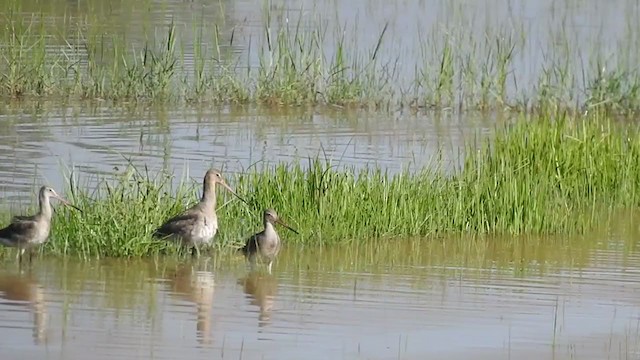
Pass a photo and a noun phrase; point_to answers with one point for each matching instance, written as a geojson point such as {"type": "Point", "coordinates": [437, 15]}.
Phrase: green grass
{"type": "Point", "coordinates": [296, 63]}
{"type": "Point", "coordinates": [538, 176]}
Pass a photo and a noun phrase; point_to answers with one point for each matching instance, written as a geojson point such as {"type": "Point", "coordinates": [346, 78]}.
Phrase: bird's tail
{"type": "Point", "coordinates": [160, 233]}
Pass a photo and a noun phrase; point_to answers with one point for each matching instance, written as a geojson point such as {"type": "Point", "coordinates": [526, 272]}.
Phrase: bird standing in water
{"type": "Point", "coordinates": [197, 225]}
{"type": "Point", "coordinates": [266, 243]}
{"type": "Point", "coordinates": [26, 232]}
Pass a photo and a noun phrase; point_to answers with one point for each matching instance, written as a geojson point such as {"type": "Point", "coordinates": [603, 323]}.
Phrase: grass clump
{"type": "Point", "coordinates": [538, 176]}
{"type": "Point", "coordinates": [118, 216]}
{"type": "Point", "coordinates": [297, 59]}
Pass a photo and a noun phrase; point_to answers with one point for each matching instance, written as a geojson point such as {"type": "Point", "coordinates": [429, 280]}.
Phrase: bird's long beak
{"type": "Point", "coordinates": [287, 226]}
{"type": "Point", "coordinates": [65, 202]}
{"type": "Point", "coordinates": [233, 192]}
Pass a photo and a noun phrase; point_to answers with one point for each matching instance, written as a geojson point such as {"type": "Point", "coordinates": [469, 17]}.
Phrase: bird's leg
{"type": "Point", "coordinates": [197, 251]}
{"type": "Point", "coordinates": [269, 266]}
{"type": "Point", "coordinates": [19, 256]}
{"type": "Point", "coordinates": [252, 262]}
{"type": "Point", "coordinates": [30, 255]}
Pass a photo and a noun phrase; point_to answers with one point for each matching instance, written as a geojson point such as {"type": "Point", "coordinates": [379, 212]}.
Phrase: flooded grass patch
{"type": "Point", "coordinates": [298, 61]}
{"type": "Point", "coordinates": [538, 176]}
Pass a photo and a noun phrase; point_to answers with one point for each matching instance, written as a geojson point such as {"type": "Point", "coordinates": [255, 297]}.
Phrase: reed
{"type": "Point", "coordinates": [559, 175]}
{"type": "Point", "coordinates": [296, 63]}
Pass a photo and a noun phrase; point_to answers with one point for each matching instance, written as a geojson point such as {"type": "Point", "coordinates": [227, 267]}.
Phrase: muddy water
{"type": "Point", "coordinates": [436, 298]}
{"type": "Point", "coordinates": [444, 299]}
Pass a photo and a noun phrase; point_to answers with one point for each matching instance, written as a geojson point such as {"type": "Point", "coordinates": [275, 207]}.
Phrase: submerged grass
{"type": "Point", "coordinates": [297, 61]}
{"type": "Point", "coordinates": [538, 176]}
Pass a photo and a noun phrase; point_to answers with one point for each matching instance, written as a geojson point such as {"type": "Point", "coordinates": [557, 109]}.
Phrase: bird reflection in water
{"type": "Point", "coordinates": [196, 286]}
{"type": "Point", "coordinates": [261, 288]}
{"type": "Point", "coordinates": [26, 289]}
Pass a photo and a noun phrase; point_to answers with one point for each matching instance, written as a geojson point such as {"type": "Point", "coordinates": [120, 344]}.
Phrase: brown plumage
{"type": "Point", "coordinates": [197, 225]}
{"type": "Point", "coordinates": [266, 243]}
{"type": "Point", "coordinates": [25, 232]}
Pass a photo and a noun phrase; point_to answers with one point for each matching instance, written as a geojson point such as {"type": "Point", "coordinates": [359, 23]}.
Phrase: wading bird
{"type": "Point", "coordinates": [266, 243]}
{"type": "Point", "coordinates": [197, 225]}
{"type": "Point", "coordinates": [26, 232]}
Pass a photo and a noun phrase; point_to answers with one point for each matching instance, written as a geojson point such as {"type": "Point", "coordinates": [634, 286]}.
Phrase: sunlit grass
{"type": "Point", "coordinates": [293, 63]}
{"type": "Point", "coordinates": [554, 175]}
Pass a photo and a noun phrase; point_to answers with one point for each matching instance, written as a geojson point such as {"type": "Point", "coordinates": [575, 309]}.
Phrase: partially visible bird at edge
{"type": "Point", "coordinates": [26, 232]}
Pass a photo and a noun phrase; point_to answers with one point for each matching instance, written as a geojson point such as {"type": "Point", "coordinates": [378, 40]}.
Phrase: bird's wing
{"type": "Point", "coordinates": [18, 232]}
{"type": "Point", "coordinates": [179, 225]}
{"type": "Point", "coordinates": [23, 218]}
{"type": "Point", "coordinates": [251, 246]}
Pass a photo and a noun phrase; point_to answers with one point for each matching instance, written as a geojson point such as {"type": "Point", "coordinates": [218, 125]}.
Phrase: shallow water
{"type": "Point", "coordinates": [39, 140]}
{"type": "Point", "coordinates": [453, 299]}
{"type": "Point", "coordinates": [44, 147]}
{"type": "Point", "coordinates": [503, 298]}
{"type": "Point", "coordinates": [587, 25]}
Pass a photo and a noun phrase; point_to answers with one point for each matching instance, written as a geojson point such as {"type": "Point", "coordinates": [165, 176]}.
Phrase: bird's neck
{"type": "Point", "coordinates": [209, 195]}
{"type": "Point", "coordinates": [45, 207]}
{"type": "Point", "coordinates": [268, 227]}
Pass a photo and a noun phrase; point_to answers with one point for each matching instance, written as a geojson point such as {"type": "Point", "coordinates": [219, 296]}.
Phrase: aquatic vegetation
{"type": "Point", "coordinates": [296, 62]}
{"type": "Point", "coordinates": [556, 175]}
